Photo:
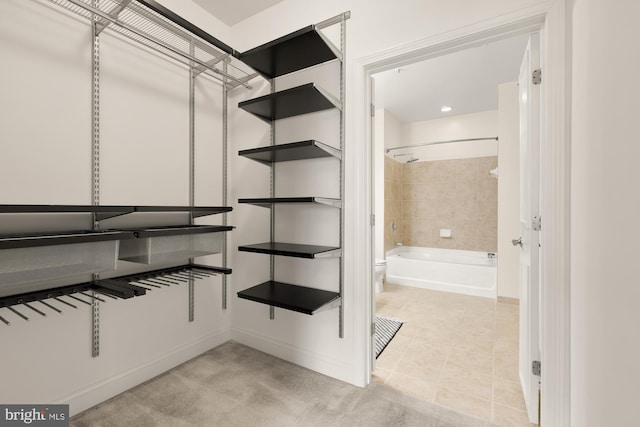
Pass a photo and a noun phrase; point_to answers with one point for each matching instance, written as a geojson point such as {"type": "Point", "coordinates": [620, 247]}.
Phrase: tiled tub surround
{"type": "Point", "coordinates": [426, 196]}
{"type": "Point", "coordinates": [392, 203]}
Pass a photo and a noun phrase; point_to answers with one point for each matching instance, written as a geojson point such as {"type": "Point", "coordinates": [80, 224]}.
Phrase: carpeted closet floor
{"type": "Point", "coordinates": [233, 385]}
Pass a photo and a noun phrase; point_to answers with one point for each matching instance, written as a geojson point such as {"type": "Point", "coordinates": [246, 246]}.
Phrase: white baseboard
{"type": "Point", "coordinates": [94, 394]}
{"type": "Point", "coordinates": [325, 365]}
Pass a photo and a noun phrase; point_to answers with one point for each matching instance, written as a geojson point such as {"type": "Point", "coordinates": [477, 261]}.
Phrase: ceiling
{"type": "Point", "coordinates": [466, 80]}
{"type": "Point", "coordinates": [233, 11]}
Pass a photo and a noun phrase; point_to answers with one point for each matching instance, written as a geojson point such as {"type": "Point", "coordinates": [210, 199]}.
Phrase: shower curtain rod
{"type": "Point", "coordinates": [492, 138]}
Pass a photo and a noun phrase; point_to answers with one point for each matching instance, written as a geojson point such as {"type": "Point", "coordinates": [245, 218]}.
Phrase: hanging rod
{"type": "Point", "coordinates": [158, 42]}
{"type": "Point", "coordinates": [492, 138]}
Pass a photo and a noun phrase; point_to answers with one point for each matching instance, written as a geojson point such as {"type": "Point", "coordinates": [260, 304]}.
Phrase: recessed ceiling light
{"type": "Point", "coordinates": [445, 108]}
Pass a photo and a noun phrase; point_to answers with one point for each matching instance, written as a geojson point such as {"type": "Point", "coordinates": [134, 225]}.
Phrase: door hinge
{"type": "Point", "coordinates": [373, 220]}
{"type": "Point", "coordinates": [536, 369]}
{"type": "Point", "coordinates": [373, 110]}
{"type": "Point", "coordinates": [536, 77]}
{"type": "Point", "coordinates": [373, 328]}
{"type": "Point", "coordinates": [536, 224]}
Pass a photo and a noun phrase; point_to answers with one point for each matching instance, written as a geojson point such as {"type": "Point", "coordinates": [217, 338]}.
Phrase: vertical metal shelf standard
{"type": "Point", "coordinates": [293, 52]}
{"type": "Point", "coordinates": [155, 27]}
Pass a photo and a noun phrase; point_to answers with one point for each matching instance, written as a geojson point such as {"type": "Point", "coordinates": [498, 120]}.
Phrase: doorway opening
{"type": "Point", "coordinates": [439, 175]}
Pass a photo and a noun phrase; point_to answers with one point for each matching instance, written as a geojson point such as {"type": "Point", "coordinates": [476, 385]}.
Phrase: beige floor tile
{"type": "Point", "coordinates": [504, 416]}
{"type": "Point", "coordinates": [466, 346]}
{"type": "Point", "coordinates": [399, 343]}
{"type": "Point", "coordinates": [505, 364]}
{"type": "Point", "coordinates": [380, 376]}
{"type": "Point", "coordinates": [412, 386]}
{"type": "Point", "coordinates": [469, 382]}
{"type": "Point", "coordinates": [426, 349]}
{"type": "Point", "coordinates": [388, 360]}
{"type": "Point", "coordinates": [422, 368]}
{"type": "Point", "coordinates": [462, 362]}
{"type": "Point", "coordinates": [507, 341]}
{"type": "Point", "coordinates": [508, 393]}
{"type": "Point", "coordinates": [476, 341]}
{"type": "Point", "coordinates": [464, 403]}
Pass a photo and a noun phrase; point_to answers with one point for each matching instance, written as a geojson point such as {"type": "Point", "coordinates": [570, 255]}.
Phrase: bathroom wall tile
{"type": "Point", "coordinates": [464, 403]}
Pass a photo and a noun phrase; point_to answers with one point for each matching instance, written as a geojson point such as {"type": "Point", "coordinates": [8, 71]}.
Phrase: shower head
{"type": "Point", "coordinates": [414, 159]}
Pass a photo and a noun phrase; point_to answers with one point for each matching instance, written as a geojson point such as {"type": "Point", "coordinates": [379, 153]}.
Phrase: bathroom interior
{"type": "Point", "coordinates": [446, 144]}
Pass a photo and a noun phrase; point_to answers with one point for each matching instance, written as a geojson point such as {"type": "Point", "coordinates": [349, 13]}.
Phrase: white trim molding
{"type": "Point", "coordinates": [550, 18]}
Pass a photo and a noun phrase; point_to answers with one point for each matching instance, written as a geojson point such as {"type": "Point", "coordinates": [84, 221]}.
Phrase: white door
{"type": "Point", "coordinates": [529, 239]}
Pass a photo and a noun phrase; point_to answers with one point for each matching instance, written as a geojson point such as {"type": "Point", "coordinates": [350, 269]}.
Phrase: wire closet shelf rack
{"type": "Point", "coordinates": [156, 27]}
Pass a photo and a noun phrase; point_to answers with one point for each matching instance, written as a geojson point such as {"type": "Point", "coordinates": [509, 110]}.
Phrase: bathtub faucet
{"type": "Point", "coordinates": [491, 255]}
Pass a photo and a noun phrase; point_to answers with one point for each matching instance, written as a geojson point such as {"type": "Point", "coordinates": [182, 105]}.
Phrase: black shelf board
{"type": "Point", "coordinates": [296, 51]}
{"type": "Point", "coordinates": [301, 150]}
{"type": "Point", "coordinates": [291, 250]}
{"type": "Point", "coordinates": [268, 202]}
{"type": "Point", "coordinates": [110, 211]}
{"type": "Point", "coordinates": [296, 101]}
{"type": "Point", "coordinates": [290, 297]}
{"type": "Point", "coordinates": [197, 211]}
{"type": "Point", "coordinates": [180, 21]}
{"type": "Point", "coordinates": [178, 230]}
{"type": "Point", "coordinates": [61, 238]}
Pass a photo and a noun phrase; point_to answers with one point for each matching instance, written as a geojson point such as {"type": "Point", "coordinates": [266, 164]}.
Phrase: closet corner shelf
{"type": "Point", "coordinates": [293, 52]}
{"type": "Point", "coordinates": [292, 297]}
{"type": "Point", "coordinates": [301, 150]}
{"type": "Point", "coordinates": [308, 98]}
{"type": "Point", "coordinates": [293, 250]}
{"type": "Point", "coordinates": [268, 202]}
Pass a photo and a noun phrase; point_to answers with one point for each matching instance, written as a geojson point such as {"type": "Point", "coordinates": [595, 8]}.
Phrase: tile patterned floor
{"type": "Point", "coordinates": [455, 350]}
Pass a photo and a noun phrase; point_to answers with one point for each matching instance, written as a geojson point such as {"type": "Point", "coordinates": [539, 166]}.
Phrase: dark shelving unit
{"type": "Point", "coordinates": [110, 211]}
{"type": "Point", "coordinates": [301, 49]}
{"type": "Point", "coordinates": [29, 240]}
{"type": "Point", "coordinates": [178, 230]}
{"type": "Point", "coordinates": [305, 99]}
{"type": "Point", "coordinates": [291, 297]}
{"type": "Point", "coordinates": [268, 202]}
{"type": "Point", "coordinates": [294, 52]}
{"type": "Point", "coordinates": [292, 250]}
{"type": "Point", "coordinates": [302, 150]}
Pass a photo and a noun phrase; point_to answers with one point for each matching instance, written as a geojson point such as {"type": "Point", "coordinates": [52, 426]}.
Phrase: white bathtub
{"type": "Point", "coordinates": [448, 270]}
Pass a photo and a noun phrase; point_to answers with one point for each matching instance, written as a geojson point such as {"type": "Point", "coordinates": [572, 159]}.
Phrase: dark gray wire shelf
{"type": "Point", "coordinates": [301, 49]}
{"type": "Point", "coordinates": [301, 150]}
{"type": "Point", "coordinates": [292, 250]}
{"type": "Point", "coordinates": [268, 202]}
{"type": "Point", "coordinates": [291, 297]}
{"type": "Point", "coordinates": [296, 101]}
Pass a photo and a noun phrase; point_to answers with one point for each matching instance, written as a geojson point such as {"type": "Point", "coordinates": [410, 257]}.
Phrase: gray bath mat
{"type": "Point", "coordinates": [386, 329]}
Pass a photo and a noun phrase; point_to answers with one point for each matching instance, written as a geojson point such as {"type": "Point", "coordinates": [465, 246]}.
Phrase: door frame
{"type": "Point", "coordinates": [550, 19]}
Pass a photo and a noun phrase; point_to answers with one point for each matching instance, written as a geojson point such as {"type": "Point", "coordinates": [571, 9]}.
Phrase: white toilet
{"type": "Point", "coordinates": [381, 267]}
